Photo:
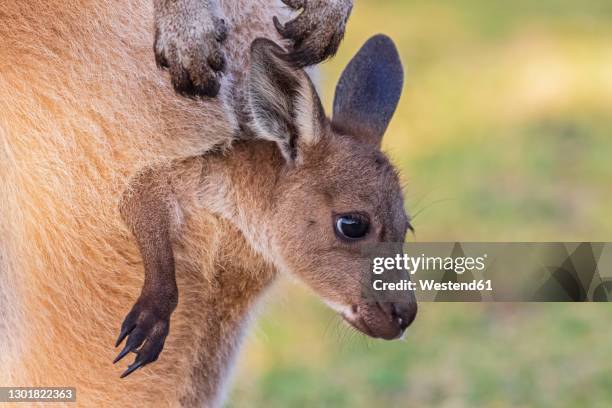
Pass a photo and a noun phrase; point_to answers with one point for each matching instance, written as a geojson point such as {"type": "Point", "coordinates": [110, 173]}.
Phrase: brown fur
{"type": "Point", "coordinates": [298, 187]}
{"type": "Point", "coordinates": [82, 110]}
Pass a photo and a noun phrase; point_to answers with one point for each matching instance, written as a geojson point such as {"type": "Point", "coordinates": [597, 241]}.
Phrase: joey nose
{"type": "Point", "coordinates": [383, 320]}
{"type": "Point", "coordinates": [404, 314]}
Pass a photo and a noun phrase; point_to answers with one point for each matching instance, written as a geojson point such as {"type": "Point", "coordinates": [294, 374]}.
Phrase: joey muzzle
{"type": "Point", "coordinates": [385, 320]}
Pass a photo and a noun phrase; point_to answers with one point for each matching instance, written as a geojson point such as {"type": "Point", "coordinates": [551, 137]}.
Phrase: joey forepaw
{"type": "Point", "coordinates": [146, 327]}
{"type": "Point", "coordinates": [317, 31]}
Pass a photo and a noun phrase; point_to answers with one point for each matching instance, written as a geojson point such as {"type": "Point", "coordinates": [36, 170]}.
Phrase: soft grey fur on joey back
{"type": "Point", "coordinates": [190, 36]}
{"type": "Point", "coordinates": [283, 196]}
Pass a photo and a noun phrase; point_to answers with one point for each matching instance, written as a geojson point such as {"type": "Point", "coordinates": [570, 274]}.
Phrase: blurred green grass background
{"type": "Point", "coordinates": [503, 133]}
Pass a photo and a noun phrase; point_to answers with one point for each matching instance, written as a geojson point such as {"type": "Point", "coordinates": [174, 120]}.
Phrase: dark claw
{"type": "Point", "coordinates": [210, 89]}
{"type": "Point", "coordinates": [279, 27]}
{"type": "Point", "coordinates": [185, 86]}
{"type": "Point", "coordinates": [291, 31]}
{"type": "Point", "coordinates": [216, 61]}
{"type": "Point", "coordinates": [180, 78]}
{"type": "Point", "coordinates": [132, 368]}
{"type": "Point", "coordinates": [302, 58]}
{"type": "Point", "coordinates": [160, 59]}
{"type": "Point", "coordinates": [148, 353]}
{"type": "Point", "coordinates": [315, 34]}
{"type": "Point", "coordinates": [221, 32]}
{"type": "Point", "coordinates": [125, 330]}
{"type": "Point", "coordinates": [122, 354]}
{"type": "Point", "coordinates": [146, 327]}
{"type": "Point", "coordinates": [294, 4]}
{"type": "Point", "coordinates": [137, 337]}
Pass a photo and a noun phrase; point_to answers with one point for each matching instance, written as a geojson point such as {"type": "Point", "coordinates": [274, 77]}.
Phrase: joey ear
{"type": "Point", "coordinates": [284, 105]}
{"type": "Point", "coordinates": [369, 90]}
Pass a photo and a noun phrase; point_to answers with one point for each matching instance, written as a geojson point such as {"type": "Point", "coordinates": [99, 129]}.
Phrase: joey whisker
{"type": "Point", "coordinates": [429, 205]}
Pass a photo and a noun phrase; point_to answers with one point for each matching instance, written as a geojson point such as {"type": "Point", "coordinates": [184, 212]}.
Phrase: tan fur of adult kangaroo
{"type": "Point", "coordinates": [80, 117]}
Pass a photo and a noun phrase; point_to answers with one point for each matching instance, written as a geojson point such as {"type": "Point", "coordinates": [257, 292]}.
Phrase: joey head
{"type": "Point", "coordinates": [308, 195]}
{"type": "Point", "coordinates": [337, 193]}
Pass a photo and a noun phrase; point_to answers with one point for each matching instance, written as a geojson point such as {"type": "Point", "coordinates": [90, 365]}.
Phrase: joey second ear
{"type": "Point", "coordinates": [284, 105]}
{"type": "Point", "coordinates": [369, 90]}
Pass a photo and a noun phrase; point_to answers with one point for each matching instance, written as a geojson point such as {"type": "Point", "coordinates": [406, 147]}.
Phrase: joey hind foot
{"type": "Point", "coordinates": [317, 31]}
{"type": "Point", "coordinates": [189, 46]}
{"type": "Point", "coordinates": [146, 327]}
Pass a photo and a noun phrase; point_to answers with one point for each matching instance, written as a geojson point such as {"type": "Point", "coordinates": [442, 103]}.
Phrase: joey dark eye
{"type": "Point", "coordinates": [352, 226]}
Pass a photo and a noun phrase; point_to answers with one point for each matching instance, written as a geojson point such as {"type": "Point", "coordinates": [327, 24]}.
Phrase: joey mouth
{"type": "Point", "coordinates": [386, 321]}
